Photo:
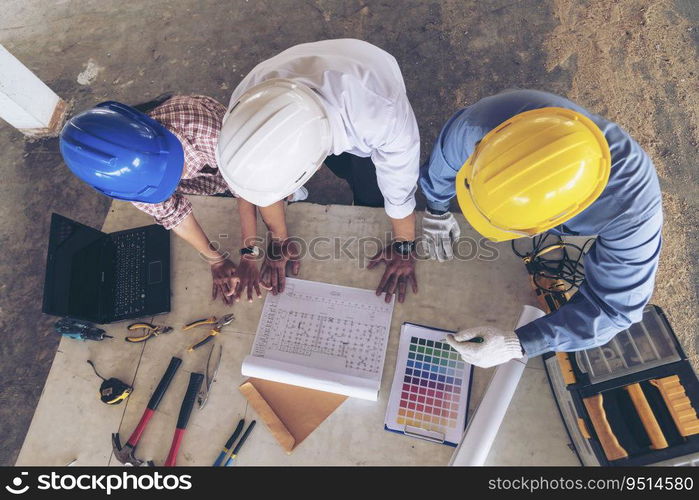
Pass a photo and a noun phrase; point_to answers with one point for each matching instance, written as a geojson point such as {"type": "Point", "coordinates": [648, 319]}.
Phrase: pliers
{"type": "Point", "coordinates": [215, 330]}
{"type": "Point", "coordinates": [210, 376]}
{"type": "Point", "coordinates": [149, 331]}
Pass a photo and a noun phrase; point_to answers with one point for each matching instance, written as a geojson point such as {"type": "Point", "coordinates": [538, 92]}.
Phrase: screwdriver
{"type": "Point", "coordinates": [237, 448]}
{"type": "Point", "coordinates": [229, 443]}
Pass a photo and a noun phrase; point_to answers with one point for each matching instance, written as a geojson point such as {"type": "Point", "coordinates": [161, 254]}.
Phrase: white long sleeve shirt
{"type": "Point", "coordinates": [370, 116]}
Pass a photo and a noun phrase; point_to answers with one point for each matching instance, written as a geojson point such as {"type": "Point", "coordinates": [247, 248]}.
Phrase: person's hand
{"type": "Point", "coordinates": [249, 277]}
{"type": "Point", "coordinates": [225, 280]}
{"type": "Point", "coordinates": [399, 272]}
{"type": "Point", "coordinates": [282, 257]}
{"type": "Point", "coordinates": [440, 232]}
{"type": "Point", "coordinates": [486, 346]}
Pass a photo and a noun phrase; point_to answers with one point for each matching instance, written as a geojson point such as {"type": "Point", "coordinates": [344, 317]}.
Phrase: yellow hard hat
{"type": "Point", "coordinates": [533, 172]}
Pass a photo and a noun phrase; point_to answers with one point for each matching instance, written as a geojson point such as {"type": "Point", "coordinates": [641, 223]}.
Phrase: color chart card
{"type": "Point", "coordinates": [429, 395]}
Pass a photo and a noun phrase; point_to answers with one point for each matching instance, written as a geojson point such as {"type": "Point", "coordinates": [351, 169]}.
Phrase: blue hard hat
{"type": "Point", "coordinates": [123, 153]}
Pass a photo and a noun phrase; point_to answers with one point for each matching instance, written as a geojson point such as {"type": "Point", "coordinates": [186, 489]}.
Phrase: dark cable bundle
{"type": "Point", "coordinates": [558, 274]}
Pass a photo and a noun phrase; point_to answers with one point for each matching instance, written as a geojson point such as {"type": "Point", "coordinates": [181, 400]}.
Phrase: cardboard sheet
{"type": "Point", "coordinates": [291, 413]}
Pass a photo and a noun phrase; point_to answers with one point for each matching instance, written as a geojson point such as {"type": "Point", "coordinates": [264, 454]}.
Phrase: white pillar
{"type": "Point", "coordinates": [26, 102]}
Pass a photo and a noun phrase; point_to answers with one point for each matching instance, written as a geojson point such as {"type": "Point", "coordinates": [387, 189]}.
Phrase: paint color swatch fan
{"type": "Point", "coordinates": [430, 391]}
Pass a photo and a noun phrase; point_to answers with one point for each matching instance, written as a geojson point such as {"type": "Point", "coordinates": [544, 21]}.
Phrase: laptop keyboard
{"type": "Point", "coordinates": [130, 277]}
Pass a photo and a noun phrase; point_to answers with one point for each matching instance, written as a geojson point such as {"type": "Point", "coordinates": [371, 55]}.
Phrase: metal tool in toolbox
{"type": "Point", "coordinates": [125, 454]}
{"type": "Point", "coordinates": [214, 330]}
{"type": "Point", "coordinates": [147, 331]}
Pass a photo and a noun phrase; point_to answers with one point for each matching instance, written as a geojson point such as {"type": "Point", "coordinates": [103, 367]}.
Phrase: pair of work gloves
{"type": "Point", "coordinates": [483, 346]}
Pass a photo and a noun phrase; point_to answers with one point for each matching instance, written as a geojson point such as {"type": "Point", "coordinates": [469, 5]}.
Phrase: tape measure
{"type": "Point", "coordinates": [112, 391]}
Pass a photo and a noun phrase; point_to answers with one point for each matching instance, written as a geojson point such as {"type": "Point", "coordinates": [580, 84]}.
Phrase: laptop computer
{"type": "Point", "coordinates": [103, 278]}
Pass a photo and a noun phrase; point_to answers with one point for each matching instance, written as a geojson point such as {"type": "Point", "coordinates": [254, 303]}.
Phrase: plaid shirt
{"type": "Point", "coordinates": [196, 122]}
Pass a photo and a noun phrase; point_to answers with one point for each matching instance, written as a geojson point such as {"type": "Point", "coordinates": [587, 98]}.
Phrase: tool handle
{"type": "Point", "coordinates": [645, 413]}
{"type": "Point", "coordinates": [228, 448]}
{"type": "Point", "coordinates": [220, 458]}
{"type": "Point", "coordinates": [236, 433]}
{"type": "Point", "coordinates": [137, 326]}
{"type": "Point", "coordinates": [136, 434]}
{"type": "Point", "coordinates": [240, 444]}
{"type": "Point", "coordinates": [598, 416]}
{"type": "Point", "coordinates": [164, 383]}
{"type": "Point", "coordinates": [195, 381]}
{"type": "Point", "coordinates": [142, 338]}
{"type": "Point", "coordinates": [199, 322]}
{"type": "Point", "coordinates": [171, 459]}
{"type": "Point", "coordinates": [202, 342]}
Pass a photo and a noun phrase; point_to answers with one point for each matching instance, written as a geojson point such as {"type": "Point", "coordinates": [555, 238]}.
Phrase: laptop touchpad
{"type": "Point", "coordinates": [155, 272]}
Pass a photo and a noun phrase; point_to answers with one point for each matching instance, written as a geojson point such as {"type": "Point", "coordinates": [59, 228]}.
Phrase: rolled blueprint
{"type": "Point", "coordinates": [485, 423]}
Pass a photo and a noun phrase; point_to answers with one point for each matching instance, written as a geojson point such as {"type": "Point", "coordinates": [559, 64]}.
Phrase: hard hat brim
{"type": "Point", "coordinates": [173, 168]}
{"type": "Point", "coordinates": [473, 215]}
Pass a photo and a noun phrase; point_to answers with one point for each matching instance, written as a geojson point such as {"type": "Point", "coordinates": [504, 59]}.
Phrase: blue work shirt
{"type": "Point", "coordinates": [626, 218]}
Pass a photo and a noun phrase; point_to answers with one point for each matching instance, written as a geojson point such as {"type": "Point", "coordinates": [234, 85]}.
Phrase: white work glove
{"type": "Point", "coordinates": [440, 231]}
{"type": "Point", "coordinates": [498, 346]}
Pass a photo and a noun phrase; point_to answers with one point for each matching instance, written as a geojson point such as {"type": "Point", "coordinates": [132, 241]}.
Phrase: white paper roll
{"type": "Point", "coordinates": [483, 427]}
{"type": "Point", "coordinates": [312, 378]}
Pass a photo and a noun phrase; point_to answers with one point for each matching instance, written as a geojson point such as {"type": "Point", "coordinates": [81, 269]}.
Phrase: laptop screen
{"type": "Point", "coordinates": [72, 283]}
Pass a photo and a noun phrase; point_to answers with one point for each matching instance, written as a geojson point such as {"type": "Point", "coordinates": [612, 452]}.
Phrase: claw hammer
{"type": "Point", "coordinates": [126, 455]}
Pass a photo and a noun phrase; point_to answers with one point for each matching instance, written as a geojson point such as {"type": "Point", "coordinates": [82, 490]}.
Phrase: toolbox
{"type": "Point", "coordinates": [632, 401]}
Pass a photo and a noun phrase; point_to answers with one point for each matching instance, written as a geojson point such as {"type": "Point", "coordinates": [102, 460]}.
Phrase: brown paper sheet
{"type": "Point", "coordinates": [291, 413]}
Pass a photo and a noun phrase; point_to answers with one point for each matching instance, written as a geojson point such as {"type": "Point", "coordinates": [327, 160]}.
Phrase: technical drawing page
{"type": "Point", "coordinates": [326, 327]}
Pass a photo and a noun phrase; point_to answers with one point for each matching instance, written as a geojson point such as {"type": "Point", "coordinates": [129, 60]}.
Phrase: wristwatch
{"type": "Point", "coordinates": [253, 250]}
{"type": "Point", "coordinates": [435, 211]}
{"type": "Point", "coordinates": [403, 247]}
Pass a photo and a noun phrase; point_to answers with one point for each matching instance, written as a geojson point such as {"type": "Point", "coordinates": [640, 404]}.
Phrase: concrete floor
{"type": "Point", "coordinates": [634, 61]}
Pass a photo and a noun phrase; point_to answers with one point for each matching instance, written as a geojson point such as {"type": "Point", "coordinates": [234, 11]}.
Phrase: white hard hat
{"type": "Point", "coordinates": [273, 139]}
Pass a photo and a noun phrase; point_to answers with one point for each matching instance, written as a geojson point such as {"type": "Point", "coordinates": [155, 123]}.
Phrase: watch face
{"type": "Point", "coordinates": [404, 247]}
{"type": "Point", "coordinates": [253, 250]}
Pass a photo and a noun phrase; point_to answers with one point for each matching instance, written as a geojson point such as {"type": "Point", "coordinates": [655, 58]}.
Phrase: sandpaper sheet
{"type": "Point", "coordinates": [291, 413]}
